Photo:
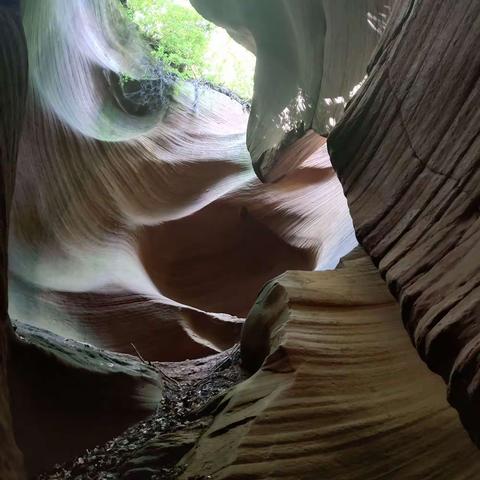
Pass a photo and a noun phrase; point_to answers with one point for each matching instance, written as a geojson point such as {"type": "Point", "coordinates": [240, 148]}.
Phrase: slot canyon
{"type": "Point", "coordinates": [197, 286]}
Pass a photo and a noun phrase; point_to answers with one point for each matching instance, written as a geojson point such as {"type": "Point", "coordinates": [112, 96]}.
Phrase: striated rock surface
{"type": "Point", "coordinates": [341, 392]}
{"type": "Point", "coordinates": [145, 209]}
{"type": "Point", "coordinates": [407, 153]}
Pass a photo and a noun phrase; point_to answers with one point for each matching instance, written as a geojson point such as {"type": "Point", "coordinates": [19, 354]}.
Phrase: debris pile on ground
{"type": "Point", "coordinates": [151, 449]}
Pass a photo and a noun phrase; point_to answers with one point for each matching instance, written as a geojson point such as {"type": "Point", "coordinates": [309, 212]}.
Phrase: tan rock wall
{"type": "Point", "coordinates": [341, 393]}
{"type": "Point", "coordinates": [407, 154]}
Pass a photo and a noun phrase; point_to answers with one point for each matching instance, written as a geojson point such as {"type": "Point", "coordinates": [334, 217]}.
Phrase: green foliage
{"type": "Point", "coordinates": [190, 46]}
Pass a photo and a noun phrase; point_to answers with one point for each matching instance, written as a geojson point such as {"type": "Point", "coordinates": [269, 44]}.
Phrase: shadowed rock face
{"type": "Point", "coordinates": [13, 84]}
{"type": "Point", "coordinates": [68, 396]}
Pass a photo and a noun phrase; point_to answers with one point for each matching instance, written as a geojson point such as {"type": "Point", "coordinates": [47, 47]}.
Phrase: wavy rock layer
{"type": "Point", "coordinates": [13, 85]}
{"type": "Point", "coordinates": [340, 394]}
{"type": "Point", "coordinates": [127, 214]}
{"type": "Point", "coordinates": [162, 331]}
{"type": "Point", "coordinates": [407, 155]}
